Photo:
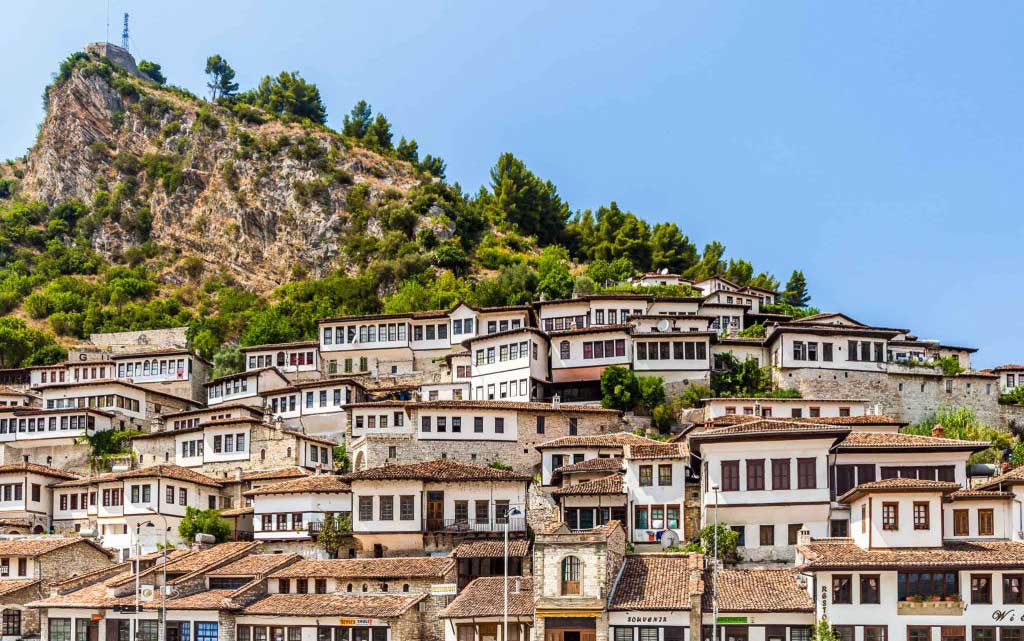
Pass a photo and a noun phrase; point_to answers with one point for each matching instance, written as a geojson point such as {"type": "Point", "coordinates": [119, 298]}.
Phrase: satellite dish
{"type": "Point", "coordinates": [664, 271]}
{"type": "Point", "coordinates": [663, 325]}
{"type": "Point", "coordinates": [669, 539]}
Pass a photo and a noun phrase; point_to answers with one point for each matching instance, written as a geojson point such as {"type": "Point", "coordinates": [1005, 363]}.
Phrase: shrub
{"type": "Point", "coordinates": [728, 540]}
{"type": "Point", "coordinates": [198, 521]}
{"type": "Point", "coordinates": [619, 388]}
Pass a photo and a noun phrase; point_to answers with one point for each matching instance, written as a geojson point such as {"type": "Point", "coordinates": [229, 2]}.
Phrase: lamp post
{"type": "Point", "coordinates": [714, 572]}
{"type": "Point", "coordinates": [512, 512]}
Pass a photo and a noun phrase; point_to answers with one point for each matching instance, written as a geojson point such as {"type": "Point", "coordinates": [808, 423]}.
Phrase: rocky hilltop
{"type": "Point", "coordinates": [259, 197]}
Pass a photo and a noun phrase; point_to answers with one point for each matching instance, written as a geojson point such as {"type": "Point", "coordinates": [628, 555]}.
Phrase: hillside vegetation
{"type": "Point", "coordinates": [246, 218]}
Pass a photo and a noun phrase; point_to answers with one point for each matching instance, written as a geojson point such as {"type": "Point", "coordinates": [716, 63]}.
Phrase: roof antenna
{"type": "Point", "coordinates": [107, 37]}
{"type": "Point", "coordinates": [124, 34]}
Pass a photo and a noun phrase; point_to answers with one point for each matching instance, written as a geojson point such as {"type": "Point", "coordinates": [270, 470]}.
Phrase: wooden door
{"type": "Point", "coordinates": [435, 510]}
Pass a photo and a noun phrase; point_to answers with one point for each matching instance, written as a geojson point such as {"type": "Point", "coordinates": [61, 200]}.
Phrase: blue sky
{"type": "Point", "coordinates": [876, 146]}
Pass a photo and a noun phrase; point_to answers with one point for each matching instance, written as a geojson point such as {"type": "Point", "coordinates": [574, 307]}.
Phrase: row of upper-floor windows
{"type": "Point", "coordinates": [671, 350]}
{"type": "Point", "coordinates": [51, 424]}
{"type": "Point", "coordinates": [229, 388]}
{"type": "Point", "coordinates": [105, 400]}
{"type": "Point", "coordinates": [508, 352]}
{"type": "Point", "coordinates": [441, 424]}
{"type": "Point", "coordinates": [925, 585]}
{"type": "Point", "coordinates": [781, 474]}
{"type": "Point", "coordinates": [794, 412]}
{"type": "Point", "coordinates": [505, 389]}
{"type": "Point", "coordinates": [379, 421]}
{"type": "Point", "coordinates": [335, 397]}
{"type": "Point", "coordinates": [154, 367]}
{"type": "Point", "coordinates": [293, 359]}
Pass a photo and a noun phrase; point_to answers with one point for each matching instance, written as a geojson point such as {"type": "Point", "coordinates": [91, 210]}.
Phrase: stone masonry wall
{"type": "Point", "coordinates": [912, 397]}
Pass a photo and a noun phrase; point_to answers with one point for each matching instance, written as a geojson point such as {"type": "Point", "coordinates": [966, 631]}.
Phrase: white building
{"type": "Point", "coordinates": [294, 510]}
{"type": "Point", "coordinates": [245, 387]}
{"type": "Point", "coordinates": [508, 366]}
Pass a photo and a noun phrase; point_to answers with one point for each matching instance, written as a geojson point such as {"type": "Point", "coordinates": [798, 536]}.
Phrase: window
{"type": "Point", "coordinates": [540, 424]}
{"type": "Point", "coordinates": [983, 633]}
{"type": "Point", "coordinates": [573, 426]}
{"type": "Point", "coordinates": [1012, 584]}
{"type": "Point", "coordinates": [842, 588]}
{"type": "Point", "coordinates": [12, 622]}
{"type": "Point", "coordinates": [563, 350]}
{"type": "Point", "coordinates": [927, 584]}
{"type": "Point", "coordinates": [869, 588]}
{"type": "Point", "coordinates": [730, 476]}
{"type": "Point", "coordinates": [981, 588]}
{"type": "Point", "coordinates": [780, 473]}
{"type": "Point", "coordinates": [986, 522]}
{"type": "Point", "coordinates": [205, 630]}
{"type": "Point", "coordinates": [921, 518]}
{"type": "Point", "coordinates": [890, 516]}
{"type": "Point", "coordinates": [767, 535]}
{"type": "Point", "coordinates": [365, 508]}
{"type": "Point", "coordinates": [806, 471]}
{"type": "Point", "coordinates": [499, 426]}
{"type": "Point", "coordinates": [961, 523]}
{"type": "Point", "coordinates": [387, 508]}
{"type": "Point", "coordinates": [755, 474]}
{"type": "Point", "coordinates": [794, 532]}
{"type": "Point", "coordinates": [572, 570]}
{"type": "Point", "coordinates": [665, 475]}
{"type": "Point", "coordinates": [182, 496]}
{"type": "Point", "coordinates": [919, 633]}
{"type": "Point", "coordinates": [425, 423]}
{"type": "Point", "coordinates": [406, 508]}
{"type": "Point", "coordinates": [646, 475]}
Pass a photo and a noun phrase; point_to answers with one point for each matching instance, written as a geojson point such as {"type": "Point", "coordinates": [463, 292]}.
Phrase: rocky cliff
{"type": "Point", "coordinates": [258, 197]}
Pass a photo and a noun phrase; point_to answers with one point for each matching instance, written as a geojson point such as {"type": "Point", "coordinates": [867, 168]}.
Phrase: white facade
{"type": "Point", "coordinates": [290, 517]}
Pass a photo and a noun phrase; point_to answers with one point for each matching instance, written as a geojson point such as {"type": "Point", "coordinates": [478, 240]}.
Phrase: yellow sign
{"type": "Point", "coordinates": [351, 622]}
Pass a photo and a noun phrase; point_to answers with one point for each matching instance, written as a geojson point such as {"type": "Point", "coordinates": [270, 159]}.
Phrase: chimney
{"type": "Point", "coordinates": [804, 537]}
{"type": "Point", "coordinates": [238, 473]}
{"type": "Point", "coordinates": [938, 431]}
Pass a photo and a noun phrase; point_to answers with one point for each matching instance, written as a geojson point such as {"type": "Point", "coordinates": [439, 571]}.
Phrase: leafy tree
{"type": "Point", "coordinates": [662, 417]}
{"type": "Point", "coordinates": [198, 521]}
{"type": "Point", "coordinates": [671, 250]}
{"type": "Point", "coordinates": [796, 290]}
{"type": "Point", "coordinates": [728, 540]}
{"type": "Point", "coordinates": [710, 263]}
{"type": "Point", "coordinates": [757, 330]}
{"type": "Point", "coordinates": [694, 395]}
{"type": "Point", "coordinates": [288, 95]}
{"type": "Point", "coordinates": [962, 423]}
{"type": "Point", "coordinates": [450, 255]}
{"type": "Point", "coordinates": [736, 378]}
{"type": "Point", "coordinates": [152, 70]}
{"type": "Point", "coordinates": [336, 529]}
{"type": "Point", "coordinates": [558, 284]}
{"type": "Point", "coordinates": [378, 136]}
{"type": "Point", "coordinates": [222, 77]}
{"type": "Point", "coordinates": [620, 388]}
{"type": "Point", "coordinates": [652, 391]}
{"type": "Point", "coordinates": [24, 345]}
{"type": "Point", "coordinates": [519, 198]}
{"type": "Point", "coordinates": [357, 123]}
{"type": "Point", "coordinates": [408, 150]}
{"type": "Point", "coordinates": [823, 631]}
{"type": "Point", "coordinates": [514, 285]}
{"type": "Point", "coordinates": [433, 165]}
{"type": "Point", "coordinates": [739, 271]}
{"type": "Point", "coordinates": [228, 360]}
{"type": "Point", "coordinates": [108, 443]}
{"type": "Point", "coordinates": [341, 459]}
{"type": "Point", "coordinates": [605, 273]}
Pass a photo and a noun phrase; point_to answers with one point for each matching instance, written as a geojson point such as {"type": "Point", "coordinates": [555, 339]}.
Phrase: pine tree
{"type": "Point", "coordinates": [670, 249]}
{"type": "Point", "coordinates": [330, 538]}
{"type": "Point", "coordinates": [796, 290]}
{"type": "Point", "coordinates": [222, 77]}
{"type": "Point", "coordinates": [357, 122]}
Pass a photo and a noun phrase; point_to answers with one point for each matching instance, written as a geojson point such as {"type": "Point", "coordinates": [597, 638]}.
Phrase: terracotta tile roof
{"type": "Point", "coordinates": [9, 587]}
{"type": "Point", "coordinates": [238, 511]}
{"type": "Point", "coordinates": [91, 596]}
{"type": "Point", "coordinates": [254, 564]}
{"type": "Point", "coordinates": [658, 582]}
{"type": "Point", "coordinates": [207, 600]}
{"type": "Point", "coordinates": [39, 546]}
{"type": "Point", "coordinates": [437, 470]}
{"type": "Point", "coordinates": [612, 484]}
{"type": "Point", "coordinates": [765, 428]}
{"type": "Point", "coordinates": [654, 451]}
{"type": "Point", "coordinates": [175, 472]}
{"type": "Point", "coordinates": [597, 464]}
{"type": "Point", "coordinates": [867, 420]}
{"type": "Point", "coordinates": [615, 439]}
{"type": "Point", "coordinates": [201, 560]}
{"type": "Point", "coordinates": [1014, 476]}
{"type": "Point", "coordinates": [491, 549]}
{"type": "Point", "coordinates": [840, 554]}
{"type": "Point", "coordinates": [392, 567]}
{"type": "Point", "coordinates": [557, 527]}
{"type": "Point", "coordinates": [282, 473]}
{"type": "Point", "coordinates": [895, 440]}
{"type": "Point", "coordinates": [35, 468]}
{"type": "Point", "coordinates": [256, 348]}
{"type": "Point", "coordinates": [309, 437]}
{"type": "Point", "coordinates": [978, 495]}
{"type": "Point", "coordinates": [323, 605]}
{"type": "Point", "coordinates": [316, 484]}
{"type": "Point", "coordinates": [489, 405]}
{"type": "Point", "coordinates": [760, 590]}
{"type": "Point", "coordinates": [899, 485]}
{"type": "Point", "coordinates": [485, 597]}
{"type": "Point", "coordinates": [1009, 368]}
{"type": "Point", "coordinates": [88, 480]}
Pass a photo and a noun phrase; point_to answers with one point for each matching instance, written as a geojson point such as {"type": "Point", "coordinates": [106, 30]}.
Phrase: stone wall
{"type": "Point", "coordinates": [520, 454]}
{"type": "Point", "coordinates": [911, 394]}
{"type": "Point", "coordinates": [74, 458]}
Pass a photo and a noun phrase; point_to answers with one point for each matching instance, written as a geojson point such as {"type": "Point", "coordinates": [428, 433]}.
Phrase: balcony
{"type": "Point", "coordinates": [932, 608]}
{"type": "Point", "coordinates": [470, 526]}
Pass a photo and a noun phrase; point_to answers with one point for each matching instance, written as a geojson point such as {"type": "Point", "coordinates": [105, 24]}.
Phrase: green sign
{"type": "Point", "coordinates": [731, 620]}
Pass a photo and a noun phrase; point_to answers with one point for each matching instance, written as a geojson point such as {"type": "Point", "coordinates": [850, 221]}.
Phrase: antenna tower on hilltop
{"type": "Point", "coordinates": [124, 34]}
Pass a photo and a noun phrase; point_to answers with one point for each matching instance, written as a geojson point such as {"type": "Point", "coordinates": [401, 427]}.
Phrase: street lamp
{"type": "Point", "coordinates": [714, 572]}
{"type": "Point", "coordinates": [513, 511]}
